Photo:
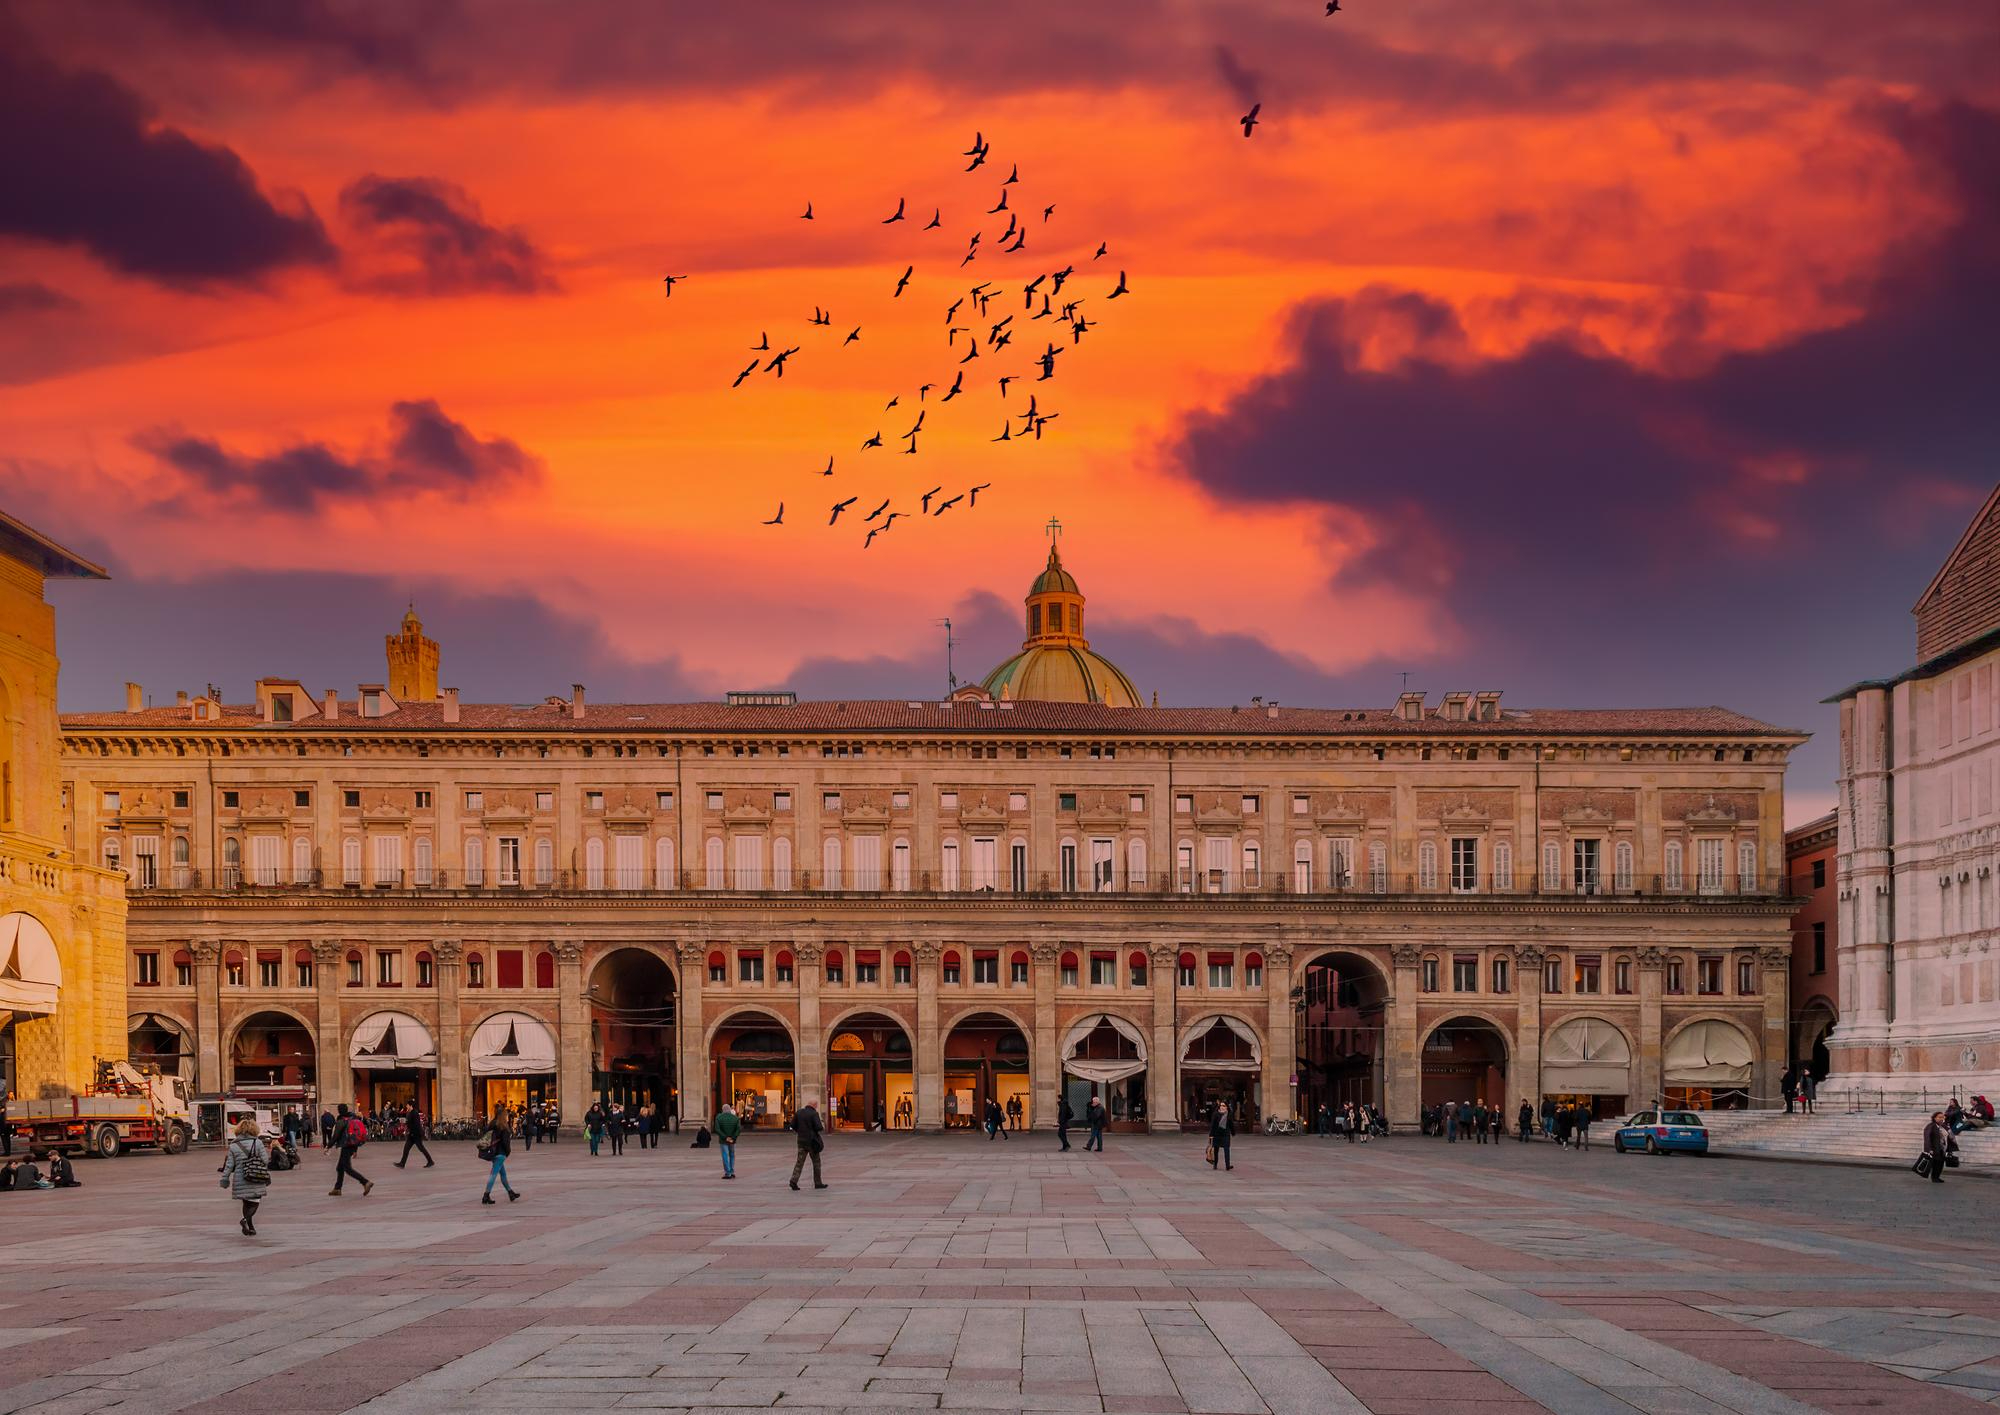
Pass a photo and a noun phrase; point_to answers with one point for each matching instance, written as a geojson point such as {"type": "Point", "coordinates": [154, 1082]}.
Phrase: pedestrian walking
{"type": "Point", "coordinates": [352, 1135]}
{"type": "Point", "coordinates": [1809, 1090]}
{"type": "Point", "coordinates": [531, 1124]}
{"type": "Point", "coordinates": [1064, 1115]}
{"type": "Point", "coordinates": [1548, 1117]}
{"type": "Point", "coordinates": [1559, 1122]}
{"type": "Point", "coordinates": [727, 1127]}
{"type": "Point", "coordinates": [413, 1137]}
{"type": "Point", "coordinates": [1218, 1137]}
{"type": "Point", "coordinates": [1938, 1144]}
{"type": "Point", "coordinates": [1789, 1084]}
{"type": "Point", "coordinates": [812, 1140]}
{"type": "Point", "coordinates": [1094, 1117]}
{"type": "Point", "coordinates": [593, 1126]}
{"type": "Point", "coordinates": [1451, 1124]}
{"type": "Point", "coordinates": [1525, 1120]}
{"type": "Point", "coordinates": [614, 1127]}
{"type": "Point", "coordinates": [246, 1172]}
{"type": "Point", "coordinates": [996, 1121]}
{"type": "Point", "coordinates": [495, 1146]}
{"type": "Point", "coordinates": [1583, 1118]}
{"type": "Point", "coordinates": [326, 1130]}
{"type": "Point", "coordinates": [1479, 1123]}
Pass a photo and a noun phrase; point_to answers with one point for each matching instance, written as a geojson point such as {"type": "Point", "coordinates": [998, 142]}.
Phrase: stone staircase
{"type": "Point", "coordinates": [1868, 1137]}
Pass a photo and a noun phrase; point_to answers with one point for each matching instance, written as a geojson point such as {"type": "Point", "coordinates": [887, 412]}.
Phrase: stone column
{"type": "Point", "coordinates": [332, 1072]}
{"type": "Point", "coordinates": [1774, 1050]}
{"type": "Point", "coordinates": [1163, 1060]}
{"type": "Point", "coordinates": [1405, 1082]}
{"type": "Point", "coordinates": [208, 1016]}
{"type": "Point", "coordinates": [573, 1049]}
{"type": "Point", "coordinates": [696, 1097]}
{"type": "Point", "coordinates": [809, 1060]}
{"type": "Point", "coordinates": [1649, 1064]}
{"type": "Point", "coordinates": [929, 1079]}
{"type": "Point", "coordinates": [1524, 1077]}
{"type": "Point", "coordinates": [1280, 1055]}
{"type": "Point", "coordinates": [1046, 1043]}
{"type": "Point", "coordinates": [454, 1096]}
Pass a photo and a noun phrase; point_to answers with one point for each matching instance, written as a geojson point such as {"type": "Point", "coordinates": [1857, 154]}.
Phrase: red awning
{"type": "Point", "coordinates": [784, 958]}
{"type": "Point", "coordinates": [868, 955]}
{"type": "Point", "coordinates": [233, 958]}
{"type": "Point", "coordinates": [270, 955]}
{"type": "Point", "coordinates": [1253, 960]}
{"type": "Point", "coordinates": [902, 959]}
{"type": "Point", "coordinates": [1019, 957]}
{"type": "Point", "coordinates": [951, 958]}
{"type": "Point", "coordinates": [1224, 960]}
{"type": "Point", "coordinates": [715, 960]}
{"type": "Point", "coordinates": [1105, 954]}
{"type": "Point", "coordinates": [1069, 960]}
{"type": "Point", "coordinates": [182, 958]}
{"type": "Point", "coordinates": [1187, 960]}
{"type": "Point", "coordinates": [1138, 960]}
{"type": "Point", "coordinates": [833, 958]}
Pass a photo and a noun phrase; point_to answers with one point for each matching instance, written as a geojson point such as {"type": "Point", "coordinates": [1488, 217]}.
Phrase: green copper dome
{"type": "Point", "coordinates": [1055, 664]}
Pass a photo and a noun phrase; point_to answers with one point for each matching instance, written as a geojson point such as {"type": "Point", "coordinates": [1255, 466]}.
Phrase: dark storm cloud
{"type": "Point", "coordinates": [32, 297]}
{"type": "Point", "coordinates": [426, 453]}
{"type": "Point", "coordinates": [442, 244]}
{"type": "Point", "coordinates": [84, 164]}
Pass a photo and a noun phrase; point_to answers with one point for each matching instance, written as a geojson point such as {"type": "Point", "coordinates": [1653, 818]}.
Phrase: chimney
{"type": "Point", "coordinates": [451, 704]}
{"type": "Point", "coordinates": [331, 708]}
{"type": "Point", "coordinates": [181, 698]}
{"type": "Point", "coordinates": [135, 697]}
{"type": "Point", "coordinates": [576, 701]}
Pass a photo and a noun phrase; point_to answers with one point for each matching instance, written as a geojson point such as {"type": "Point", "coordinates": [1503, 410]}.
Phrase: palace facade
{"type": "Point", "coordinates": [907, 907]}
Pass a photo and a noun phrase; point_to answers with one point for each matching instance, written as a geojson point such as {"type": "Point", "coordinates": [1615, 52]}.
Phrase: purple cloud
{"type": "Point", "coordinates": [443, 241]}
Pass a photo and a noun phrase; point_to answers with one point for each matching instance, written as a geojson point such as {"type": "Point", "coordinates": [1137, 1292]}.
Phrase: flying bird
{"type": "Point", "coordinates": [840, 506]}
{"type": "Point", "coordinates": [764, 344]}
{"type": "Point", "coordinates": [1333, 7]}
{"type": "Point", "coordinates": [670, 279]}
{"type": "Point", "coordinates": [1011, 227]}
{"type": "Point", "coordinates": [1249, 120]}
{"type": "Point", "coordinates": [996, 210]}
{"type": "Point", "coordinates": [1102, 247]}
{"type": "Point", "coordinates": [951, 334]}
{"type": "Point", "coordinates": [1014, 176]}
{"type": "Point", "coordinates": [1006, 379]}
{"type": "Point", "coordinates": [777, 364]}
{"type": "Point", "coordinates": [977, 489]}
{"type": "Point", "coordinates": [809, 212]}
{"type": "Point", "coordinates": [875, 441]}
{"type": "Point", "coordinates": [1045, 418]}
{"type": "Point", "coordinates": [911, 450]}
{"type": "Point", "coordinates": [1048, 363]}
{"type": "Point", "coordinates": [948, 314]}
{"type": "Point", "coordinates": [821, 316]}
{"type": "Point", "coordinates": [956, 385]}
{"type": "Point", "coordinates": [971, 352]}
{"type": "Point", "coordinates": [968, 257]}
{"type": "Point", "coordinates": [1028, 416]}
{"type": "Point", "coordinates": [927, 499]}
{"type": "Point", "coordinates": [1003, 341]}
{"type": "Point", "coordinates": [854, 335]}
{"type": "Point", "coordinates": [871, 537]}
{"type": "Point", "coordinates": [1121, 290]}
{"type": "Point", "coordinates": [877, 511]}
{"type": "Point", "coordinates": [920, 423]}
{"type": "Point", "coordinates": [899, 213]}
{"type": "Point", "coordinates": [937, 219]}
{"type": "Point", "coordinates": [922, 389]}
{"type": "Point", "coordinates": [1078, 328]}
{"type": "Point", "coordinates": [893, 517]}
{"type": "Point", "coordinates": [978, 145]}
{"type": "Point", "coordinates": [1048, 211]}
{"type": "Point", "coordinates": [907, 273]}
{"type": "Point", "coordinates": [1019, 241]}
{"type": "Point", "coordinates": [1062, 275]}
{"type": "Point", "coordinates": [978, 161]}
{"type": "Point", "coordinates": [829, 468]}
{"type": "Point", "coordinates": [746, 373]}
{"type": "Point", "coordinates": [944, 506]}
{"type": "Point", "coordinates": [1006, 432]}
{"type": "Point", "coordinates": [892, 402]}
{"type": "Point", "coordinates": [779, 519]}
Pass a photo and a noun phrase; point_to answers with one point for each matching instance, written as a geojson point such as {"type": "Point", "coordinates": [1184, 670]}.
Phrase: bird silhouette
{"type": "Point", "coordinates": [870, 538]}
{"type": "Point", "coordinates": [927, 498]}
{"type": "Point", "coordinates": [1006, 433]}
{"type": "Point", "coordinates": [779, 519]}
{"type": "Point", "coordinates": [878, 510]}
{"type": "Point", "coordinates": [920, 423]}
{"type": "Point", "coordinates": [875, 441]}
{"type": "Point", "coordinates": [1078, 328]}
{"type": "Point", "coordinates": [979, 161]}
{"type": "Point", "coordinates": [1333, 7]}
{"type": "Point", "coordinates": [892, 402]}
{"type": "Point", "coordinates": [1029, 289]}
{"type": "Point", "coordinates": [1044, 418]}
{"type": "Point", "coordinates": [1002, 206]}
{"type": "Point", "coordinates": [1048, 363]}
{"type": "Point", "coordinates": [956, 385]}
{"type": "Point", "coordinates": [1062, 275]}
{"type": "Point", "coordinates": [1249, 120]}
{"type": "Point", "coordinates": [950, 313]}
{"type": "Point", "coordinates": [829, 468]}
{"type": "Point", "coordinates": [968, 258]}
{"type": "Point", "coordinates": [763, 346]}
{"type": "Point", "coordinates": [1020, 240]}
{"type": "Point", "coordinates": [1102, 247]}
{"type": "Point", "coordinates": [951, 334]}
{"type": "Point", "coordinates": [911, 450]}
{"type": "Point", "coordinates": [747, 372]}
{"type": "Point", "coordinates": [821, 316]}
{"type": "Point", "coordinates": [852, 336]}
{"type": "Point", "coordinates": [840, 506]}
{"type": "Point", "coordinates": [1029, 416]}
{"type": "Point", "coordinates": [1006, 379]}
{"type": "Point", "coordinates": [1048, 211]}
{"type": "Point", "coordinates": [899, 213]}
{"type": "Point", "coordinates": [944, 506]}
{"type": "Point", "coordinates": [1003, 341]}
{"type": "Point", "coordinates": [777, 364]}
{"type": "Point", "coordinates": [978, 145]}
{"type": "Point", "coordinates": [1013, 176]}
{"type": "Point", "coordinates": [994, 332]}
{"type": "Point", "coordinates": [1121, 290]}
{"type": "Point", "coordinates": [894, 516]}
{"type": "Point", "coordinates": [971, 352]}
{"type": "Point", "coordinates": [976, 490]}
{"type": "Point", "coordinates": [670, 279]}
{"type": "Point", "coordinates": [1011, 227]}
{"type": "Point", "coordinates": [937, 219]}
{"type": "Point", "coordinates": [922, 389]}
{"type": "Point", "coordinates": [907, 273]}
{"type": "Point", "coordinates": [808, 213]}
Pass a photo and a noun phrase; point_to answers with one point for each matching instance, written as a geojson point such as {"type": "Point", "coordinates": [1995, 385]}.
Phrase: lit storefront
{"type": "Point", "coordinates": [513, 1062]}
{"type": "Point", "coordinates": [1106, 1055]}
{"type": "Point", "coordinates": [395, 1062]}
{"type": "Point", "coordinates": [754, 1070]}
{"type": "Point", "coordinates": [1221, 1063]}
{"type": "Point", "coordinates": [1587, 1061]}
{"type": "Point", "coordinates": [870, 1082]}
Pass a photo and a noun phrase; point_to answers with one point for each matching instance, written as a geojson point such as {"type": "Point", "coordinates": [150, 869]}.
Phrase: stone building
{"type": "Point", "coordinates": [1919, 838]}
{"type": "Point", "coordinates": [912, 906]}
{"type": "Point", "coordinates": [1811, 861]}
{"type": "Point", "coordinates": [62, 921]}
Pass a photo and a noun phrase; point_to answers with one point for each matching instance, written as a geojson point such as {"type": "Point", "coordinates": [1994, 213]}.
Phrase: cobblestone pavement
{"type": "Point", "coordinates": [957, 1273]}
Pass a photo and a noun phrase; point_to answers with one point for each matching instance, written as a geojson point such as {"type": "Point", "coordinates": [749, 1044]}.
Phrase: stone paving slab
{"type": "Point", "coordinates": [940, 1275]}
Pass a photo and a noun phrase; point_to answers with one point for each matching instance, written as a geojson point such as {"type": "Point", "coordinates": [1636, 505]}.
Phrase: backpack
{"type": "Point", "coordinates": [356, 1132]}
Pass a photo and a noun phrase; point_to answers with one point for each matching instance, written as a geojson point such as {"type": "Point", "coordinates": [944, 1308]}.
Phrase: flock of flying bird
{"type": "Point", "coordinates": [997, 339]}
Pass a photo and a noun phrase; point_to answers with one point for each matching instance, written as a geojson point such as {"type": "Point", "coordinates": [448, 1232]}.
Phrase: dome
{"type": "Point", "coordinates": [1055, 664]}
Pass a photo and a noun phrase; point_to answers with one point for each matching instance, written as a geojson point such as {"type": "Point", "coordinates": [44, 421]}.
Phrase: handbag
{"type": "Point", "coordinates": [1923, 1165]}
{"type": "Point", "coordinates": [1951, 1159]}
{"type": "Point", "coordinates": [256, 1169]}
{"type": "Point", "coordinates": [1209, 1154]}
{"type": "Point", "coordinates": [485, 1150]}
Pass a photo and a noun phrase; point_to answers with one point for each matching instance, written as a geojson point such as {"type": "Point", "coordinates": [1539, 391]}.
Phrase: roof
{"type": "Point", "coordinates": [1062, 673]}
{"type": "Point", "coordinates": [1054, 579]}
{"type": "Point", "coordinates": [24, 542]}
{"type": "Point", "coordinates": [969, 718]}
{"type": "Point", "coordinates": [1944, 570]}
{"type": "Point", "coordinates": [1812, 835]}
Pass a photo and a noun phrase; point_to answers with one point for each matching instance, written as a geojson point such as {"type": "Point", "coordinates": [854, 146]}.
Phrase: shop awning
{"type": "Point", "coordinates": [1103, 1070]}
{"type": "Point", "coordinates": [177, 1030]}
{"type": "Point", "coordinates": [30, 971]}
{"type": "Point", "coordinates": [392, 1041]}
{"type": "Point", "coordinates": [513, 1044]}
{"type": "Point", "coordinates": [1586, 1057]}
{"type": "Point", "coordinates": [1709, 1053]}
{"type": "Point", "coordinates": [1252, 1062]}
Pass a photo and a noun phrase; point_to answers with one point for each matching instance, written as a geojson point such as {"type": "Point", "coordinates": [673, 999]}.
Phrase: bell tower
{"type": "Point", "coordinates": [413, 662]}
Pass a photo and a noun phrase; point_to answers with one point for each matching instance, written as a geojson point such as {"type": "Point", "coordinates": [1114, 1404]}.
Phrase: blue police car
{"type": "Point", "coordinates": [1661, 1132]}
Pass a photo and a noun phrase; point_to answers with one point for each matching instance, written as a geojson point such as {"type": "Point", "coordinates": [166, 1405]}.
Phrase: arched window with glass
{"type": "Point", "coordinates": [1621, 866]}
{"type": "Point", "coordinates": [593, 864]}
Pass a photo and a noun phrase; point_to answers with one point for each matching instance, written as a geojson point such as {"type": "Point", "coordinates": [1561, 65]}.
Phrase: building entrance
{"type": "Point", "coordinates": [870, 1082]}
{"type": "Point", "coordinates": [986, 1058]}
{"type": "Point", "coordinates": [634, 1032]}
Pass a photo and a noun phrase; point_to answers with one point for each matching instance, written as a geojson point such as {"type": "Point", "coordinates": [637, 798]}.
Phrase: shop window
{"type": "Point", "coordinates": [1429, 969]}
{"type": "Point", "coordinates": [1589, 974]}
{"type": "Point", "coordinates": [1069, 970]}
{"type": "Point", "coordinates": [149, 969]}
{"type": "Point", "coordinates": [1465, 972]}
{"type": "Point", "coordinates": [1708, 976]}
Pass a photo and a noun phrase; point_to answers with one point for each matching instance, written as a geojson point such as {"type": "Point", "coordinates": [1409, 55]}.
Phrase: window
{"type": "Point", "coordinates": [1708, 976]}
{"type": "Point", "coordinates": [232, 859]}
{"type": "Point", "coordinates": [1674, 869]}
{"type": "Point", "coordinates": [718, 968]}
{"type": "Point", "coordinates": [425, 975]}
{"type": "Point", "coordinates": [1819, 947]}
{"type": "Point", "coordinates": [1067, 856]}
{"type": "Point", "coordinates": [951, 970]}
{"type": "Point", "coordinates": [1503, 865]}
{"type": "Point", "coordinates": [949, 865]}
{"type": "Point", "coordinates": [388, 968]}
{"type": "Point", "coordinates": [900, 970]}
{"type": "Point", "coordinates": [476, 800]}
{"type": "Point", "coordinates": [1184, 863]}
{"type": "Point", "coordinates": [1464, 863]}
{"type": "Point", "coordinates": [1427, 865]}
{"type": "Point", "coordinates": [371, 704]}
{"type": "Point", "coordinates": [302, 970]}
{"type": "Point", "coordinates": [1301, 805]}
{"type": "Point", "coordinates": [281, 707]}
{"type": "Point", "coordinates": [475, 971]}
{"type": "Point", "coordinates": [1621, 976]}
{"type": "Point", "coordinates": [354, 970]}
{"type": "Point", "coordinates": [1589, 974]}
{"type": "Point", "coordinates": [1136, 803]}
{"type": "Point", "coordinates": [389, 861]}
{"type": "Point", "coordinates": [114, 853]}
{"type": "Point", "coordinates": [1253, 856]}
{"type": "Point", "coordinates": [829, 801]}
{"type": "Point", "coordinates": [1340, 863]}
{"type": "Point", "coordinates": [899, 800]}
{"type": "Point", "coordinates": [475, 860]}
{"type": "Point", "coordinates": [868, 968]}
{"type": "Point", "coordinates": [232, 968]}
{"type": "Point", "coordinates": [149, 969]}
{"type": "Point", "coordinates": [229, 800]}
{"type": "Point", "coordinates": [593, 800]}
{"type": "Point", "coordinates": [1184, 970]}
{"type": "Point", "coordinates": [350, 799]}
{"type": "Point", "coordinates": [180, 800]}
{"type": "Point", "coordinates": [1465, 972]}
{"type": "Point", "coordinates": [1018, 801]}
{"type": "Point", "coordinates": [146, 861]}
{"type": "Point", "coordinates": [1429, 975]}
{"type": "Point", "coordinates": [1378, 867]}
{"type": "Point", "coordinates": [1502, 971]}
{"type": "Point", "coordinates": [420, 859]}
{"type": "Point", "coordinates": [749, 967]}
{"type": "Point", "coordinates": [268, 970]}
{"type": "Point", "coordinates": [1746, 977]}
{"type": "Point", "coordinates": [784, 968]}
{"type": "Point", "coordinates": [1584, 859]}
{"type": "Point", "coordinates": [899, 866]}
{"type": "Point", "coordinates": [1183, 805]}
{"type": "Point", "coordinates": [423, 799]}
{"type": "Point", "coordinates": [1103, 970]}
{"type": "Point", "coordinates": [713, 800]}
{"type": "Point", "coordinates": [545, 861]}
{"type": "Point", "coordinates": [986, 968]}
{"type": "Point", "coordinates": [350, 860]}
{"type": "Point", "coordinates": [1100, 866]}
{"type": "Point", "coordinates": [1253, 971]}
{"type": "Point", "coordinates": [1068, 970]}
{"type": "Point", "coordinates": [1621, 866]}
{"type": "Point", "coordinates": [1819, 874]}
{"type": "Point", "coordinates": [1709, 854]}
{"type": "Point", "coordinates": [1221, 970]}
{"type": "Point", "coordinates": [781, 800]}
{"type": "Point", "coordinates": [1676, 978]}
{"type": "Point", "coordinates": [1136, 968]}
{"type": "Point", "coordinates": [1017, 865]}
{"type": "Point", "coordinates": [1746, 865]}
{"type": "Point", "coordinates": [545, 800]}
{"type": "Point", "coordinates": [1552, 976]}
{"type": "Point", "coordinates": [1250, 804]}
{"type": "Point", "coordinates": [1551, 865]}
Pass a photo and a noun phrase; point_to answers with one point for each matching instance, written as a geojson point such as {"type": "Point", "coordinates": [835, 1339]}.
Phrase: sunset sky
{"type": "Point", "coordinates": [1601, 353]}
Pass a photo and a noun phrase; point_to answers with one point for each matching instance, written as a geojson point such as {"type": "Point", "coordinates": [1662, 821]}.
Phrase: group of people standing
{"type": "Point", "coordinates": [1356, 1122]}
{"type": "Point", "coordinates": [609, 1122]}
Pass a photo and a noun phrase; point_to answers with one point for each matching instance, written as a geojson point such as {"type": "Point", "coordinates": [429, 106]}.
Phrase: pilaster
{"type": "Point", "coordinates": [1405, 1081]}
{"type": "Point", "coordinates": [1163, 1082]}
{"type": "Point", "coordinates": [573, 1049]}
{"type": "Point", "coordinates": [332, 1074]}
{"type": "Point", "coordinates": [1280, 1055]}
{"type": "Point", "coordinates": [809, 1057]}
{"type": "Point", "coordinates": [1774, 975]}
{"type": "Point", "coordinates": [1046, 1063]}
{"type": "Point", "coordinates": [454, 1075]}
{"type": "Point", "coordinates": [930, 1046]}
{"type": "Point", "coordinates": [1524, 1077]}
{"type": "Point", "coordinates": [208, 1016]}
{"type": "Point", "coordinates": [696, 1085]}
{"type": "Point", "coordinates": [1651, 1060]}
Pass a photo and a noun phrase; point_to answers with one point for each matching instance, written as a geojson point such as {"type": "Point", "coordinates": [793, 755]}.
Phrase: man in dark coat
{"type": "Point", "coordinates": [413, 1136]}
{"type": "Point", "coordinates": [1064, 1115]}
{"type": "Point", "coordinates": [1525, 1120]}
{"type": "Point", "coordinates": [326, 1130]}
{"type": "Point", "coordinates": [996, 1120]}
{"type": "Point", "coordinates": [1937, 1144]}
{"type": "Point", "coordinates": [1094, 1116]}
{"type": "Point", "coordinates": [1789, 1084]}
{"type": "Point", "coordinates": [812, 1140]}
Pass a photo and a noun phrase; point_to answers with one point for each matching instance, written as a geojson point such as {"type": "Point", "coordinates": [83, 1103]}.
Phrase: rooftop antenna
{"type": "Point", "coordinates": [1406, 680]}
{"type": "Point", "coordinates": [950, 678]}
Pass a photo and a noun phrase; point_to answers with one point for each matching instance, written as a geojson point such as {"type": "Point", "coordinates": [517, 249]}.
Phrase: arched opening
{"type": "Point", "coordinates": [1465, 1059]}
{"type": "Point", "coordinates": [1339, 1004]}
{"type": "Point", "coordinates": [154, 1040]}
{"type": "Point", "coordinates": [1587, 1061]}
{"type": "Point", "coordinates": [750, 1057]}
{"type": "Point", "coordinates": [1708, 1066]}
{"type": "Point", "coordinates": [870, 1079]}
{"type": "Point", "coordinates": [1222, 1063]}
{"type": "Point", "coordinates": [272, 1057]}
{"type": "Point", "coordinates": [1105, 1056]}
{"type": "Point", "coordinates": [634, 1015]}
{"type": "Point", "coordinates": [1815, 1025]}
{"type": "Point", "coordinates": [513, 1063]}
{"type": "Point", "coordinates": [395, 1062]}
{"type": "Point", "coordinates": [986, 1058]}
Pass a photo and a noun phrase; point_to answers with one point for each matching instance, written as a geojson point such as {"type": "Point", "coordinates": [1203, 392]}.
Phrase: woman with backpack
{"type": "Point", "coordinates": [246, 1172]}
{"type": "Point", "coordinates": [496, 1145]}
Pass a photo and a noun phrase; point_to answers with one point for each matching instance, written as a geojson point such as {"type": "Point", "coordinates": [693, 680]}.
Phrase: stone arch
{"type": "Point", "coordinates": [1466, 1071]}
{"type": "Point", "coordinates": [1711, 1016]}
{"type": "Point", "coordinates": [233, 1029]}
{"type": "Point", "coordinates": [764, 1087]}
{"type": "Point", "coordinates": [867, 1009]}
{"type": "Point", "coordinates": [1306, 955]}
{"type": "Point", "coordinates": [1711, 1092]}
{"type": "Point", "coordinates": [1498, 1024]}
{"type": "Point", "coordinates": [748, 1009]}
{"type": "Point", "coordinates": [663, 951]}
{"type": "Point", "coordinates": [973, 1009]}
{"type": "Point", "coordinates": [1208, 1020]}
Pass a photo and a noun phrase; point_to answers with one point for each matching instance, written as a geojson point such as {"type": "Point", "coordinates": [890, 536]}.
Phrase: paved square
{"type": "Point", "coordinates": [956, 1273]}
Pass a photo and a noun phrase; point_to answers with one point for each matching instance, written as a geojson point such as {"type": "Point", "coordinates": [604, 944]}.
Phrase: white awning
{"type": "Point", "coordinates": [1709, 1053]}
{"type": "Point", "coordinates": [513, 1044]}
{"type": "Point", "coordinates": [1253, 1062]}
{"type": "Point", "coordinates": [1108, 1069]}
{"type": "Point", "coordinates": [177, 1029]}
{"type": "Point", "coordinates": [1586, 1056]}
{"type": "Point", "coordinates": [30, 971]}
{"type": "Point", "coordinates": [392, 1041]}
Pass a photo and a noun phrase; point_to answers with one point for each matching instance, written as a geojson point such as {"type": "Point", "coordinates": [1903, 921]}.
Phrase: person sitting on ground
{"type": "Point", "coordinates": [701, 1138]}
{"type": "Point", "coordinates": [62, 1174]}
{"type": "Point", "coordinates": [28, 1174]}
{"type": "Point", "coordinates": [7, 1177]}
